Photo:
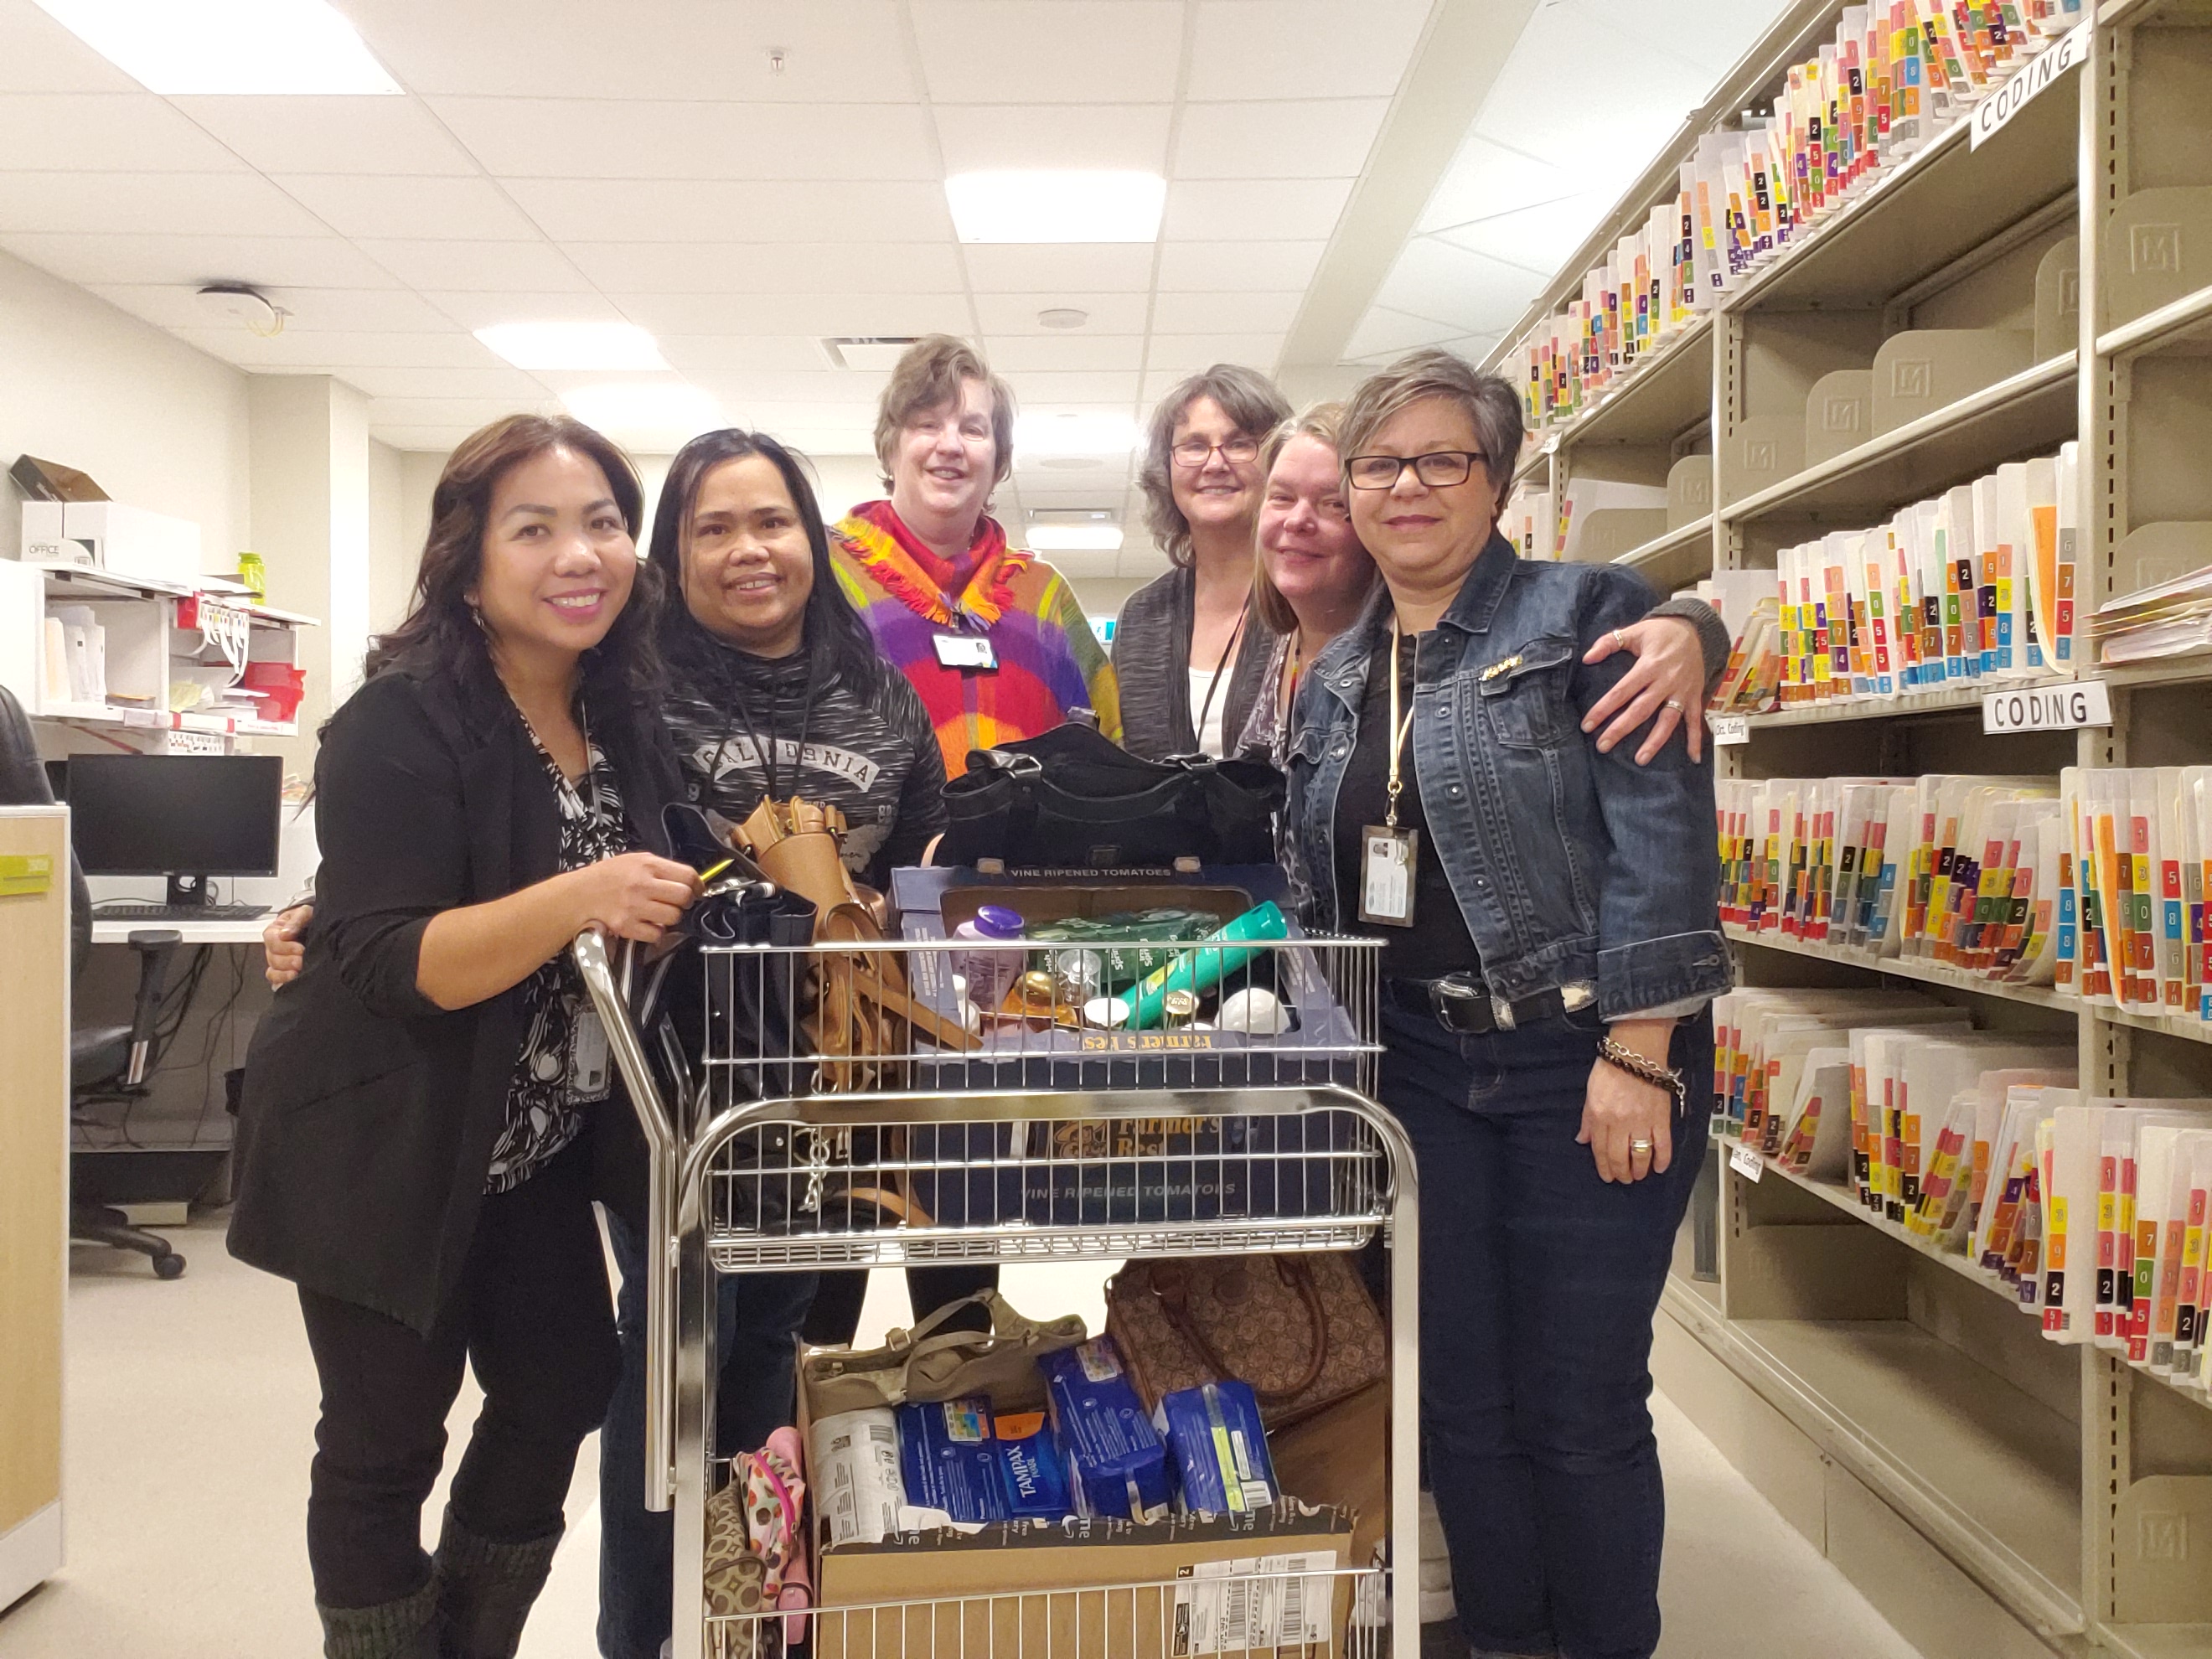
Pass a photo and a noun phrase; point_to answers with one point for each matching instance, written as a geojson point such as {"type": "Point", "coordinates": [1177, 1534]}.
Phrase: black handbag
{"type": "Point", "coordinates": [1070, 800]}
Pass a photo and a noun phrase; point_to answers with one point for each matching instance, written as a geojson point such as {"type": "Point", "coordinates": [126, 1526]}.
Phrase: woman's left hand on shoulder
{"type": "Point", "coordinates": [1667, 680]}
{"type": "Point", "coordinates": [1621, 1110]}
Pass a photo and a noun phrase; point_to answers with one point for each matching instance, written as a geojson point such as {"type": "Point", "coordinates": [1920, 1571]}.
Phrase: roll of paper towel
{"type": "Point", "coordinates": [856, 1474]}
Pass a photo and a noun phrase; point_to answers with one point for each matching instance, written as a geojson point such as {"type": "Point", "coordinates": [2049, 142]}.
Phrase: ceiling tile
{"type": "Point", "coordinates": [1303, 48]}
{"type": "Point", "coordinates": [340, 351]}
{"type": "Point", "coordinates": [608, 138]}
{"type": "Point", "coordinates": [1707, 36]}
{"type": "Point", "coordinates": [822, 386]}
{"type": "Point", "coordinates": [429, 439]}
{"type": "Point", "coordinates": [1384, 333]}
{"type": "Point", "coordinates": [478, 267]}
{"type": "Point", "coordinates": [1218, 210]}
{"type": "Point", "coordinates": [121, 256]}
{"type": "Point", "coordinates": [1539, 240]}
{"type": "Point", "coordinates": [467, 413]}
{"type": "Point", "coordinates": [650, 211]}
{"type": "Point", "coordinates": [393, 136]}
{"type": "Point", "coordinates": [471, 311]}
{"type": "Point", "coordinates": [362, 205]}
{"type": "Point", "coordinates": [1076, 51]}
{"type": "Point", "coordinates": [1239, 267]}
{"type": "Point", "coordinates": [1065, 267]}
{"type": "Point", "coordinates": [221, 204]}
{"type": "Point", "coordinates": [37, 54]}
{"type": "Point", "coordinates": [782, 354]}
{"type": "Point", "coordinates": [1223, 313]}
{"type": "Point", "coordinates": [1447, 284]}
{"type": "Point", "coordinates": [1079, 564]}
{"type": "Point", "coordinates": [1016, 314]}
{"type": "Point", "coordinates": [1485, 179]}
{"type": "Point", "coordinates": [510, 385]}
{"type": "Point", "coordinates": [308, 310]}
{"type": "Point", "coordinates": [771, 267]}
{"type": "Point", "coordinates": [1077, 387]}
{"type": "Point", "coordinates": [976, 137]}
{"type": "Point", "coordinates": [834, 51]}
{"type": "Point", "coordinates": [104, 132]}
{"type": "Point", "coordinates": [1186, 353]}
{"type": "Point", "coordinates": [1012, 354]}
{"type": "Point", "coordinates": [795, 314]}
{"type": "Point", "coordinates": [1319, 139]}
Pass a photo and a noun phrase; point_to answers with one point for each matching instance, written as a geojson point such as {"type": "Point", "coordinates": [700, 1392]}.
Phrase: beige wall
{"type": "Point", "coordinates": [158, 424]}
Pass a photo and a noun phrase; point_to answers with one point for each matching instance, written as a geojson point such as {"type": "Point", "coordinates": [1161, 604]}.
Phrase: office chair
{"type": "Point", "coordinates": [107, 1062]}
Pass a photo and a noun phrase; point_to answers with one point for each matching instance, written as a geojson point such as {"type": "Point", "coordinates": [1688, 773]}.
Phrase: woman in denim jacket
{"type": "Point", "coordinates": [1551, 940]}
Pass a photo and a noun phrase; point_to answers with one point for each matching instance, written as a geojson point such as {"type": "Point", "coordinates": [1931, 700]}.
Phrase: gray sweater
{"type": "Point", "coordinates": [1151, 660]}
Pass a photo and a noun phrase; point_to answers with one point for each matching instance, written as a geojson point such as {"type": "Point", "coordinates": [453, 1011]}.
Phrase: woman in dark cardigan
{"type": "Point", "coordinates": [428, 1109]}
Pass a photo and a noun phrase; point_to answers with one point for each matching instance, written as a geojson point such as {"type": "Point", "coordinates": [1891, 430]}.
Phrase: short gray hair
{"type": "Point", "coordinates": [1492, 406]}
{"type": "Point", "coordinates": [1246, 396]}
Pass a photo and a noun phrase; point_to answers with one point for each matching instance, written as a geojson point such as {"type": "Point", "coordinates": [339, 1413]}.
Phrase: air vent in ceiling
{"type": "Point", "coordinates": [865, 351]}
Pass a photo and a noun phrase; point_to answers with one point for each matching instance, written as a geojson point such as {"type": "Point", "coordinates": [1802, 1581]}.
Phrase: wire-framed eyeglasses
{"type": "Point", "coordinates": [1193, 454]}
{"type": "Point", "coordinates": [1439, 468]}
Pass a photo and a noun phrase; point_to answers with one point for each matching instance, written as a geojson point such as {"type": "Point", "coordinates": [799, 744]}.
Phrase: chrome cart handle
{"type": "Point", "coordinates": [657, 1262]}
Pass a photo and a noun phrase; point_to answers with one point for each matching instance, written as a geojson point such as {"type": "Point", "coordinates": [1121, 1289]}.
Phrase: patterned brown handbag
{"type": "Point", "coordinates": [1301, 1329]}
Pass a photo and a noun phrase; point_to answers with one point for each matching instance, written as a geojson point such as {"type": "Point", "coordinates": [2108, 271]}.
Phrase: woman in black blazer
{"type": "Point", "coordinates": [425, 1105]}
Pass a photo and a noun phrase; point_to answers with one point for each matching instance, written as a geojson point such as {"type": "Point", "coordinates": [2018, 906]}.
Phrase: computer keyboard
{"type": "Point", "coordinates": [178, 912]}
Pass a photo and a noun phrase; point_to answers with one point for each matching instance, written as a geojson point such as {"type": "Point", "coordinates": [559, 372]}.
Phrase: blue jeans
{"type": "Point", "coordinates": [1539, 1282]}
{"type": "Point", "coordinates": [757, 1320]}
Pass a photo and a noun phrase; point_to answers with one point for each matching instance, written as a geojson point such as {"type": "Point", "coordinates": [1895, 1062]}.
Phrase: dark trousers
{"type": "Point", "coordinates": [530, 1316]}
{"type": "Point", "coordinates": [837, 1301]}
{"type": "Point", "coordinates": [1539, 1282]}
{"type": "Point", "coordinates": [757, 1318]}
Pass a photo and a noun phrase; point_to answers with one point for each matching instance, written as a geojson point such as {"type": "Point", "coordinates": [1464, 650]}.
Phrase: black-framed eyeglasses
{"type": "Point", "coordinates": [1193, 454]}
{"type": "Point", "coordinates": [1439, 468]}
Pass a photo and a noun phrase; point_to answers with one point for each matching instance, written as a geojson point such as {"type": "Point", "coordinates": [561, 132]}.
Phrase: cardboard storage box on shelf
{"type": "Point", "coordinates": [1092, 1587]}
{"type": "Point", "coordinates": [128, 541]}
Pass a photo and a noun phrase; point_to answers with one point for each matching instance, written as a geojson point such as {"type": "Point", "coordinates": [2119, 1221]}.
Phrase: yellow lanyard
{"type": "Point", "coordinates": [1398, 729]}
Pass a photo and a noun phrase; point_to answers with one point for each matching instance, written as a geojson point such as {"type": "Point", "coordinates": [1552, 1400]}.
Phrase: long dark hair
{"type": "Point", "coordinates": [623, 669]}
{"type": "Point", "coordinates": [835, 635]}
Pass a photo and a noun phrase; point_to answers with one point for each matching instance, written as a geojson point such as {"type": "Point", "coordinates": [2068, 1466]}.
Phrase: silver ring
{"type": "Point", "coordinates": [1643, 1146]}
{"type": "Point", "coordinates": [1619, 641]}
{"type": "Point", "coordinates": [1675, 704]}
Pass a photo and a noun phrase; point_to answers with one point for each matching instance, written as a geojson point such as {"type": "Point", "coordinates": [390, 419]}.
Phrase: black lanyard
{"type": "Point", "coordinates": [766, 750]}
{"type": "Point", "coordinates": [1206, 709]}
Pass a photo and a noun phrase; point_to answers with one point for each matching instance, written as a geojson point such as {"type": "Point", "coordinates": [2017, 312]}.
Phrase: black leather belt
{"type": "Point", "coordinates": [1465, 1007]}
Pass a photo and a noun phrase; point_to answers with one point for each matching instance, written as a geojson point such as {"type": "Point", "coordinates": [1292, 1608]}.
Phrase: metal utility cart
{"type": "Point", "coordinates": [926, 1141]}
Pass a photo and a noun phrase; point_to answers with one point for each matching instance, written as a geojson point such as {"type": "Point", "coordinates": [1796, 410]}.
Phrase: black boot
{"type": "Point", "coordinates": [405, 1629]}
{"type": "Point", "coordinates": [485, 1590]}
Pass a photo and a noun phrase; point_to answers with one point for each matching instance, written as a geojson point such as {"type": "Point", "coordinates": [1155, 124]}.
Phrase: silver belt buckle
{"type": "Point", "coordinates": [1580, 994]}
{"type": "Point", "coordinates": [1501, 1013]}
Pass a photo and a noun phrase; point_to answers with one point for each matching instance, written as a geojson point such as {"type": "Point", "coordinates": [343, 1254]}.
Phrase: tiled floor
{"type": "Point", "coordinates": [191, 1406]}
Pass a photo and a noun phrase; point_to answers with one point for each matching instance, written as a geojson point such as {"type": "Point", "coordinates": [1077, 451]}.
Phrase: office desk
{"type": "Point", "coordinates": [195, 933]}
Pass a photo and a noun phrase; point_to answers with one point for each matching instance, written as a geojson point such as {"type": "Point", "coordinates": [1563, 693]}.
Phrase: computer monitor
{"type": "Point", "coordinates": [186, 817]}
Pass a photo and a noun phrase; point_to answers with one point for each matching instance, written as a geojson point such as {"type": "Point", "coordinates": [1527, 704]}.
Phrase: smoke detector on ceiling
{"type": "Point", "coordinates": [235, 302]}
{"type": "Point", "coordinates": [1062, 316]}
{"type": "Point", "coordinates": [867, 351]}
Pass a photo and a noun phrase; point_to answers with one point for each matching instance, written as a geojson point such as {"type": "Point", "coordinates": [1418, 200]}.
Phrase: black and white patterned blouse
{"type": "Point", "coordinates": [564, 1065]}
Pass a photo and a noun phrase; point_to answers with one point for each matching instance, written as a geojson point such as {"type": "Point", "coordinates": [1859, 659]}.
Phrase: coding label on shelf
{"type": "Point", "coordinates": [1745, 1162]}
{"type": "Point", "coordinates": [1729, 728]}
{"type": "Point", "coordinates": [2049, 708]}
{"type": "Point", "coordinates": [2033, 78]}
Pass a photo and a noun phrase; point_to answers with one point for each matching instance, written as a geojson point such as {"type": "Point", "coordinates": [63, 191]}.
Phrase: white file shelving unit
{"type": "Point", "coordinates": [1993, 1493]}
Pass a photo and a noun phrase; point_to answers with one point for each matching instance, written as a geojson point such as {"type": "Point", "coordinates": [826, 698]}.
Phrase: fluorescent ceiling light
{"type": "Point", "coordinates": [253, 47]}
{"type": "Point", "coordinates": [1036, 436]}
{"type": "Point", "coordinates": [645, 410]}
{"type": "Point", "coordinates": [1075, 206]}
{"type": "Point", "coordinates": [1075, 537]}
{"type": "Point", "coordinates": [574, 345]}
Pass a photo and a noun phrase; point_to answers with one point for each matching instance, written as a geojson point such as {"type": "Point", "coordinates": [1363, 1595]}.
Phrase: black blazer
{"type": "Point", "coordinates": [369, 1113]}
{"type": "Point", "coordinates": [1151, 660]}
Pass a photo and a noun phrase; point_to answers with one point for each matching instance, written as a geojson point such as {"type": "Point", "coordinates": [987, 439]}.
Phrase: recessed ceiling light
{"type": "Point", "coordinates": [645, 410]}
{"type": "Point", "coordinates": [1078, 206]}
{"type": "Point", "coordinates": [1039, 435]}
{"type": "Point", "coordinates": [1062, 316]}
{"type": "Point", "coordinates": [1075, 537]}
{"type": "Point", "coordinates": [236, 46]}
{"type": "Point", "coordinates": [574, 345]}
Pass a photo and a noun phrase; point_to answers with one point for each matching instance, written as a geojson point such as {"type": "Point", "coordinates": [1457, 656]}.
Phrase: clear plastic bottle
{"type": "Point", "coordinates": [997, 960]}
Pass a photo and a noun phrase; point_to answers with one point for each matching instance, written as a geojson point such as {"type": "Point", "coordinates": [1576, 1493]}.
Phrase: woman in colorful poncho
{"type": "Point", "coordinates": [991, 635]}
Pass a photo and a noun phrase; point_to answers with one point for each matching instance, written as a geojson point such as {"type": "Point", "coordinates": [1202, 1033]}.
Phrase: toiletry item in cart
{"type": "Point", "coordinates": [996, 959]}
{"type": "Point", "coordinates": [1255, 1011]}
{"type": "Point", "coordinates": [963, 1006]}
{"type": "Point", "coordinates": [858, 1488]}
{"type": "Point", "coordinates": [946, 1457]}
{"type": "Point", "coordinates": [1200, 967]}
{"type": "Point", "coordinates": [1030, 1467]}
{"type": "Point", "coordinates": [1115, 1463]}
{"type": "Point", "coordinates": [1218, 1449]}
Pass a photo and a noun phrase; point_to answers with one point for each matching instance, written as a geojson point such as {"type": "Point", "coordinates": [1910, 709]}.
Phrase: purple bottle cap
{"type": "Point", "coordinates": [996, 921]}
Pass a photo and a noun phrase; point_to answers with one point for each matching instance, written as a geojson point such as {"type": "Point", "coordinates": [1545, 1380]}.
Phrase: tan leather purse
{"type": "Point", "coordinates": [1301, 1329]}
{"type": "Point", "coordinates": [927, 1363]}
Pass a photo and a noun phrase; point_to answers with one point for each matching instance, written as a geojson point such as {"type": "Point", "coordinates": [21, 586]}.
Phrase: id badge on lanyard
{"type": "Point", "coordinates": [966, 651]}
{"type": "Point", "coordinates": [1388, 854]}
{"type": "Point", "coordinates": [590, 1077]}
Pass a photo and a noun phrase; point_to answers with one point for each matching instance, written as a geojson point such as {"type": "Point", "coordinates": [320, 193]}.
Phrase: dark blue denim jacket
{"type": "Point", "coordinates": [1574, 869]}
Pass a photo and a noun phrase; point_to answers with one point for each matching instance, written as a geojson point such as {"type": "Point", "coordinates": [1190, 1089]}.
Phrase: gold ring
{"type": "Point", "coordinates": [1643, 1146]}
{"type": "Point", "coordinates": [1675, 704]}
{"type": "Point", "coordinates": [1619, 641]}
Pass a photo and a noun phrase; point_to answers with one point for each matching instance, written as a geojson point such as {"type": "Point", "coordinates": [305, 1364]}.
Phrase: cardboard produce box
{"type": "Point", "coordinates": [1178, 1589]}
